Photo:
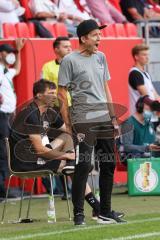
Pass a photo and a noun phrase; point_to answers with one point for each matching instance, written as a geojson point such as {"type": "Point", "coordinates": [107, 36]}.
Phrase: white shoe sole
{"type": "Point", "coordinates": [109, 221]}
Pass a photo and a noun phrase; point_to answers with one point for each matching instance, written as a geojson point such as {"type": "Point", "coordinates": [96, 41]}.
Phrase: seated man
{"type": "Point", "coordinates": [10, 11]}
{"type": "Point", "coordinates": [137, 10]}
{"type": "Point", "coordinates": [139, 140]}
{"type": "Point", "coordinates": [105, 12]}
{"type": "Point", "coordinates": [38, 140]}
{"type": "Point", "coordinates": [58, 11]}
{"type": "Point", "coordinates": [31, 130]}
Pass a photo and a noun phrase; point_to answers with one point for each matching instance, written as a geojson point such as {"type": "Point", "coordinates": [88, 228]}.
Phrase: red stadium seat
{"type": "Point", "coordinates": [9, 30]}
{"type": "Point", "coordinates": [131, 30]}
{"type": "Point", "coordinates": [31, 29]}
{"type": "Point", "coordinates": [60, 29]}
{"type": "Point", "coordinates": [108, 31]}
{"type": "Point", "coordinates": [49, 27]}
{"type": "Point", "coordinates": [120, 30]}
{"type": "Point", "coordinates": [28, 14]}
{"type": "Point", "coordinates": [22, 30]}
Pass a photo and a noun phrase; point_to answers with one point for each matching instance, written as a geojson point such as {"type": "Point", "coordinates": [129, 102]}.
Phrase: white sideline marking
{"type": "Point", "coordinates": [137, 236]}
{"type": "Point", "coordinates": [76, 229]}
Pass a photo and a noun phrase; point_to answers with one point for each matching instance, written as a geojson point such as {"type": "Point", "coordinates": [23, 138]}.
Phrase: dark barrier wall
{"type": "Point", "coordinates": [37, 51]}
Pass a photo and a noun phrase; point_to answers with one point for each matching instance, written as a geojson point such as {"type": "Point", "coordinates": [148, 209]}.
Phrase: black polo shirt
{"type": "Point", "coordinates": [29, 121]}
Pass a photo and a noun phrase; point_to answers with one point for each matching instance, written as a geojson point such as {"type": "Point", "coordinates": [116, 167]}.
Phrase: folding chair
{"type": "Point", "coordinates": [24, 175]}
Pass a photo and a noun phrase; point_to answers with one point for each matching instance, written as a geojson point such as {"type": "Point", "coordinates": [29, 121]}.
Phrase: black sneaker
{"type": "Point", "coordinates": [112, 216]}
{"type": "Point", "coordinates": [105, 220]}
{"type": "Point", "coordinates": [79, 219]}
{"type": "Point", "coordinates": [69, 167]}
{"type": "Point", "coordinates": [119, 214]}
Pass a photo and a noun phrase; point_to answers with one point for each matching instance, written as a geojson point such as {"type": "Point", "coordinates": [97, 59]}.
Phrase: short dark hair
{"type": "Point", "coordinates": [140, 103]}
{"type": "Point", "coordinates": [58, 40]}
{"type": "Point", "coordinates": [41, 85]}
{"type": "Point", "coordinates": [138, 48]}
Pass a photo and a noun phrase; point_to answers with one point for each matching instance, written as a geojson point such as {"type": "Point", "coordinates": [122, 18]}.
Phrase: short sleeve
{"type": "Point", "coordinates": [106, 70]}
{"type": "Point", "coordinates": [45, 72]}
{"type": "Point", "coordinates": [65, 72]}
{"type": "Point", "coordinates": [27, 122]}
{"type": "Point", "coordinates": [135, 79]}
{"type": "Point", "coordinates": [130, 4]}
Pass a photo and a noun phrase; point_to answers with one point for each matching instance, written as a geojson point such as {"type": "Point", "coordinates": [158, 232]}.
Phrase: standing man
{"type": "Point", "coordinates": [10, 66]}
{"type": "Point", "coordinates": [50, 70]}
{"type": "Point", "coordinates": [85, 74]}
{"type": "Point", "coordinates": [140, 82]}
{"type": "Point", "coordinates": [62, 47]}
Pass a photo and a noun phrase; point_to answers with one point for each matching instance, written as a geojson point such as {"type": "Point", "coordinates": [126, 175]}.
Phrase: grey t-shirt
{"type": "Point", "coordinates": [84, 77]}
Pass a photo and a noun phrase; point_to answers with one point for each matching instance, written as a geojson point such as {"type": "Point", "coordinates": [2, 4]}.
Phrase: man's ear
{"type": "Point", "coordinates": [39, 95]}
{"type": "Point", "coordinates": [56, 50]}
{"type": "Point", "coordinates": [135, 57]}
{"type": "Point", "coordinates": [83, 39]}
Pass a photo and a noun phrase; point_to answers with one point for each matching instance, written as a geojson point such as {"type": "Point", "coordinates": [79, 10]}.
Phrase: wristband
{"type": "Point", "coordinates": [113, 117]}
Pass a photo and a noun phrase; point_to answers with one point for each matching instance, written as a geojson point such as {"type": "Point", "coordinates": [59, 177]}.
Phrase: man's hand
{"type": "Point", "coordinates": [154, 147]}
{"type": "Point", "coordinates": [62, 16]}
{"type": "Point", "coordinates": [70, 156]}
{"type": "Point", "coordinates": [20, 43]}
{"type": "Point", "coordinates": [116, 127]}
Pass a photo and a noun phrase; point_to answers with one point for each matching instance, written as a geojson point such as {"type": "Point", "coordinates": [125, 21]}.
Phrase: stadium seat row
{"type": "Point", "coordinates": [120, 30]}
{"type": "Point", "coordinates": [27, 30]}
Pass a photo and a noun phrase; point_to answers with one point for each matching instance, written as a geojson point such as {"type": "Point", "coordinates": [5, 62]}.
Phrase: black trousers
{"type": "Point", "coordinates": [104, 151]}
{"type": "Point", "coordinates": [4, 132]}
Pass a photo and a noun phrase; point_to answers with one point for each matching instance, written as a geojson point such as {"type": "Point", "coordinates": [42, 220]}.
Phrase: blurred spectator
{"type": "Point", "coordinates": [137, 10]}
{"type": "Point", "coordinates": [155, 5]}
{"type": "Point", "coordinates": [10, 11]}
{"type": "Point", "coordinates": [62, 11]}
{"type": "Point", "coordinates": [105, 12]}
{"type": "Point", "coordinates": [139, 140]}
{"type": "Point", "coordinates": [7, 100]}
{"type": "Point", "coordinates": [70, 7]}
{"type": "Point", "coordinates": [140, 82]}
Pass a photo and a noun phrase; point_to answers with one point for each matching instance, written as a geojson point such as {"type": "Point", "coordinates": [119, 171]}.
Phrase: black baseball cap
{"type": "Point", "coordinates": [7, 48]}
{"type": "Point", "coordinates": [87, 26]}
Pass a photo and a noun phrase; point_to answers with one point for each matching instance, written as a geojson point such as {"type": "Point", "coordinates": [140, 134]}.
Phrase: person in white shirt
{"type": "Point", "coordinates": [10, 10]}
{"type": "Point", "coordinates": [140, 82]}
{"type": "Point", "coordinates": [10, 66]}
{"type": "Point", "coordinates": [61, 11]}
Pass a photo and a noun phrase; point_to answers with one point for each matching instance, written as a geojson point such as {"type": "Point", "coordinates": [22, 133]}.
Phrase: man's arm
{"type": "Point", "coordinates": [45, 15]}
{"type": "Point", "coordinates": [19, 45]}
{"type": "Point", "coordinates": [109, 100]}
{"type": "Point", "coordinates": [62, 96]}
{"type": "Point", "coordinates": [47, 153]}
{"type": "Point", "coordinates": [135, 14]}
{"type": "Point", "coordinates": [143, 91]}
